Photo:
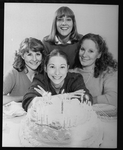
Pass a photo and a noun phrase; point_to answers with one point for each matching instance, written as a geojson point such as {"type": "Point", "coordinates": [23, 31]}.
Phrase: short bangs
{"type": "Point", "coordinates": [64, 11]}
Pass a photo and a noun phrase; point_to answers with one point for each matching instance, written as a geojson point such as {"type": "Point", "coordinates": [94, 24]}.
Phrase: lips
{"type": "Point", "coordinates": [34, 63]}
{"type": "Point", "coordinates": [64, 28]}
{"type": "Point", "coordinates": [57, 78]}
{"type": "Point", "coordinates": [84, 59]}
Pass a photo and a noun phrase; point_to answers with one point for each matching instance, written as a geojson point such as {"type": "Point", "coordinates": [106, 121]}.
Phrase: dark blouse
{"type": "Point", "coordinates": [73, 82]}
{"type": "Point", "coordinates": [69, 49]}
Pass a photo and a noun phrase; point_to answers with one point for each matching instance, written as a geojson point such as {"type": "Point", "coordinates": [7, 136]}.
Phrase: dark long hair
{"type": "Point", "coordinates": [64, 11]}
{"type": "Point", "coordinates": [27, 44]}
{"type": "Point", "coordinates": [105, 62]}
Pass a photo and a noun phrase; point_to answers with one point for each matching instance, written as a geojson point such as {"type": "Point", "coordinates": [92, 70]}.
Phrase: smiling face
{"type": "Point", "coordinates": [57, 69]}
{"type": "Point", "coordinates": [64, 25]}
{"type": "Point", "coordinates": [88, 53]}
{"type": "Point", "coordinates": [32, 59]}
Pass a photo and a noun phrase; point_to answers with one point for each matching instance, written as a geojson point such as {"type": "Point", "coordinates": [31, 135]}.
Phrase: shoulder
{"type": "Point", "coordinates": [11, 76]}
{"type": "Point", "coordinates": [76, 70]}
{"type": "Point", "coordinates": [40, 77]}
{"type": "Point", "coordinates": [45, 38]}
{"type": "Point", "coordinates": [109, 73]}
{"type": "Point", "coordinates": [74, 75]}
{"type": "Point", "coordinates": [12, 71]}
{"type": "Point", "coordinates": [80, 36]}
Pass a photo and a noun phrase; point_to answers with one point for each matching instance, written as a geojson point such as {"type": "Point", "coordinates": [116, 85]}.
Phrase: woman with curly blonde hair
{"type": "Point", "coordinates": [27, 63]}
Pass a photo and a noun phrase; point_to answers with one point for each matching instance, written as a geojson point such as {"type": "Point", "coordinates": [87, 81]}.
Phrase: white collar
{"type": "Point", "coordinates": [57, 41]}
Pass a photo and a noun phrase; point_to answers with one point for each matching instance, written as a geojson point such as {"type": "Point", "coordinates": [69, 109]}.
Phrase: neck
{"type": "Point", "coordinates": [88, 68]}
{"type": "Point", "coordinates": [63, 38]}
{"type": "Point", "coordinates": [30, 74]}
{"type": "Point", "coordinates": [57, 87]}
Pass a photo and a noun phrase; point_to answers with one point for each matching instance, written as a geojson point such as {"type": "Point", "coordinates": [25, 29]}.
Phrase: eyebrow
{"type": "Point", "coordinates": [61, 64]}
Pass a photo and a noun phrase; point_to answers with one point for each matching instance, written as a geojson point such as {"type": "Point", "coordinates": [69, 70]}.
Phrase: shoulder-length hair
{"type": "Point", "coordinates": [27, 44]}
{"type": "Point", "coordinates": [64, 11]}
{"type": "Point", "coordinates": [105, 62]}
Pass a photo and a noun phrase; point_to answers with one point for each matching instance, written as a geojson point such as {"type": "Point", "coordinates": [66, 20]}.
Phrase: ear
{"type": "Point", "coordinates": [68, 66]}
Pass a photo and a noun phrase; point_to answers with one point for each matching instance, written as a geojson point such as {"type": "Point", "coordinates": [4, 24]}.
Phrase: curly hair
{"type": "Point", "coordinates": [64, 11]}
{"type": "Point", "coordinates": [105, 62]}
{"type": "Point", "coordinates": [27, 44]}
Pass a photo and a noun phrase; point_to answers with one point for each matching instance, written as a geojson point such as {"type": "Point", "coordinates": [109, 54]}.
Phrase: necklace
{"type": "Point", "coordinates": [88, 78]}
{"type": "Point", "coordinates": [89, 71]}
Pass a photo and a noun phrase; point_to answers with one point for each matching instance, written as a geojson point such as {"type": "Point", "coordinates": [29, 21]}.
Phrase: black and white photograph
{"type": "Point", "coordinates": [60, 75]}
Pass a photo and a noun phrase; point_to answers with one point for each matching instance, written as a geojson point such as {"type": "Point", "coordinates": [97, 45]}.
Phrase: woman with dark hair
{"type": "Point", "coordinates": [28, 61]}
{"type": "Point", "coordinates": [64, 35]}
{"type": "Point", "coordinates": [56, 80]}
{"type": "Point", "coordinates": [98, 68]}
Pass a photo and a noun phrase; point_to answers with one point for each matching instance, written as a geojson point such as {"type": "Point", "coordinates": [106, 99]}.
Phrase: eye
{"type": "Point", "coordinates": [38, 53]}
{"type": "Point", "coordinates": [82, 49]}
{"type": "Point", "coordinates": [59, 19]}
{"type": "Point", "coordinates": [51, 66]}
{"type": "Point", "coordinates": [69, 19]}
{"type": "Point", "coordinates": [29, 54]}
{"type": "Point", "coordinates": [91, 51]}
{"type": "Point", "coordinates": [63, 66]}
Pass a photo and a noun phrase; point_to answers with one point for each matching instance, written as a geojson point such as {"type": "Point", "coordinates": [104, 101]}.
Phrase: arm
{"type": "Point", "coordinates": [8, 86]}
{"type": "Point", "coordinates": [109, 94]}
{"type": "Point", "coordinates": [78, 86]}
{"type": "Point", "coordinates": [7, 99]}
{"type": "Point", "coordinates": [32, 93]}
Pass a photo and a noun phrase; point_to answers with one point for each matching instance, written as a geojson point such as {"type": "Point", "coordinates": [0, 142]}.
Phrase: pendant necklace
{"type": "Point", "coordinates": [88, 78]}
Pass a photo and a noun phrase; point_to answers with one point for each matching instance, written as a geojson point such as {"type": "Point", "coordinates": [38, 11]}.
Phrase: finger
{"type": "Point", "coordinates": [41, 88]}
{"type": "Point", "coordinates": [62, 91]}
{"type": "Point", "coordinates": [39, 91]}
{"type": "Point", "coordinates": [86, 96]}
{"type": "Point", "coordinates": [80, 91]}
{"type": "Point", "coordinates": [73, 96]}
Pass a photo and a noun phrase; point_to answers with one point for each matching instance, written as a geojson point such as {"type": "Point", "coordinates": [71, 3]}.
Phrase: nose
{"type": "Point", "coordinates": [34, 58]}
{"type": "Point", "coordinates": [64, 21]}
{"type": "Point", "coordinates": [57, 71]}
{"type": "Point", "coordinates": [84, 53]}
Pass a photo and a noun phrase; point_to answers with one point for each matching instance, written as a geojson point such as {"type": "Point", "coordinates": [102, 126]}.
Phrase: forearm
{"type": "Point", "coordinates": [110, 98]}
{"type": "Point", "coordinates": [27, 100]}
{"type": "Point", "coordinates": [7, 99]}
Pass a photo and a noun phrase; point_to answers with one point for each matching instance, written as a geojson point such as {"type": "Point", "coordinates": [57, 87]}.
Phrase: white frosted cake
{"type": "Point", "coordinates": [60, 122]}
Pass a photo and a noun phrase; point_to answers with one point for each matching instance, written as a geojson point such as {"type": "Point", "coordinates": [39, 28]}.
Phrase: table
{"type": "Point", "coordinates": [10, 137]}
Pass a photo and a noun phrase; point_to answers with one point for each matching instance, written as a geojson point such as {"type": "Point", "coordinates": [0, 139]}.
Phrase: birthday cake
{"type": "Point", "coordinates": [60, 122]}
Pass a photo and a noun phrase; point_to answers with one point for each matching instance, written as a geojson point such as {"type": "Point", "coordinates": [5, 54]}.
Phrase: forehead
{"type": "Point", "coordinates": [64, 16]}
{"type": "Point", "coordinates": [89, 44]}
{"type": "Point", "coordinates": [57, 60]}
{"type": "Point", "coordinates": [31, 51]}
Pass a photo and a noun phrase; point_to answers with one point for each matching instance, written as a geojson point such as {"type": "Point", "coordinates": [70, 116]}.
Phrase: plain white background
{"type": "Point", "coordinates": [23, 20]}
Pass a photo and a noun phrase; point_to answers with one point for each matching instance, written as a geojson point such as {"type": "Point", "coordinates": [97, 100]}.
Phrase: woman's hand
{"type": "Point", "coordinates": [95, 100]}
{"type": "Point", "coordinates": [77, 94]}
{"type": "Point", "coordinates": [80, 95]}
{"type": "Point", "coordinates": [41, 91]}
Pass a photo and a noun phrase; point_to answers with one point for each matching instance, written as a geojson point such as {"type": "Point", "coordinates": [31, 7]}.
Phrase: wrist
{"type": "Point", "coordinates": [95, 100]}
{"type": "Point", "coordinates": [30, 105]}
